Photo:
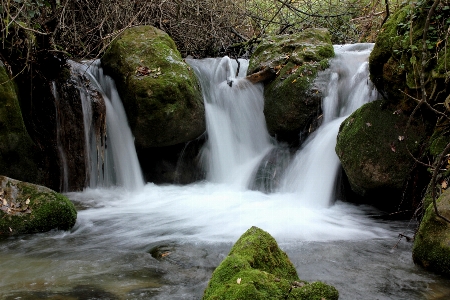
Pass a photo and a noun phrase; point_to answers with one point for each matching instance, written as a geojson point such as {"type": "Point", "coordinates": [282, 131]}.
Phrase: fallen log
{"type": "Point", "coordinates": [265, 74]}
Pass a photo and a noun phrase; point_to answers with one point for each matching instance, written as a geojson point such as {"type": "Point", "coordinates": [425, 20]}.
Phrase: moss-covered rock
{"type": "Point", "coordinates": [373, 148]}
{"type": "Point", "coordinates": [160, 92]}
{"type": "Point", "coordinates": [30, 208]}
{"type": "Point", "coordinates": [17, 150]}
{"type": "Point", "coordinates": [395, 62]}
{"type": "Point", "coordinates": [256, 268]}
{"type": "Point", "coordinates": [292, 100]}
{"type": "Point", "coordinates": [432, 242]}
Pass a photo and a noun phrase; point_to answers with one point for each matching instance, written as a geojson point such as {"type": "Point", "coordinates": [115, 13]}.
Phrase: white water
{"type": "Point", "coordinates": [223, 208]}
{"type": "Point", "coordinates": [237, 133]}
{"type": "Point", "coordinates": [107, 254]}
{"type": "Point", "coordinates": [312, 173]}
{"type": "Point", "coordinates": [114, 163]}
{"type": "Point", "coordinates": [64, 169]}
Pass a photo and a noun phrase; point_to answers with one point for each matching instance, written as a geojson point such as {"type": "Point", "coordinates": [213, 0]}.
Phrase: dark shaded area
{"type": "Point", "coordinates": [179, 164]}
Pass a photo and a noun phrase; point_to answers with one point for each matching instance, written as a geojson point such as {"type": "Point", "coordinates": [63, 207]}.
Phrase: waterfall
{"type": "Point", "coordinates": [237, 133]}
{"type": "Point", "coordinates": [238, 141]}
{"type": "Point", "coordinates": [312, 173]}
{"type": "Point", "coordinates": [111, 158]}
{"type": "Point", "coordinates": [64, 169]}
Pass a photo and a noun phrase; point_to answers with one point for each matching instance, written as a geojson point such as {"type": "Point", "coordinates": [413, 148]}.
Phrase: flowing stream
{"type": "Point", "coordinates": [163, 242]}
{"type": "Point", "coordinates": [111, 158]}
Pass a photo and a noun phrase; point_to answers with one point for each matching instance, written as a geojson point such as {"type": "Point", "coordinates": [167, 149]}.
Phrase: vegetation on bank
{"type": "Point", "coordinates": [84, 29]}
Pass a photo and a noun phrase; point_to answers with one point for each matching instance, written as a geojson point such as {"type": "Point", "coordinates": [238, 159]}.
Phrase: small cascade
{"type": "Point", "coordinates": [312, 173]}
{"type": "Point", "coordinates": [237, 132]}
{"type": "Point", "coordinates": [63, 166]}
{"type": "Point", "coordinates": [111, 157]}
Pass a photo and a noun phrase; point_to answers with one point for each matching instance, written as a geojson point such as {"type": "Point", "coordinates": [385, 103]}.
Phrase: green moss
{"type": "Point", "coordinates": [314, 291]}
{"type": "Point", "coordinates": [291, 100]}
{"type": "Point", "coordinates": [17, 151]}
{"type": "Point", "coordinates": [373, 148]}
{"type": "Point", "coordinates": [395, 60]}
{"type": "Point", "coordinates": [432, 242]}
{"type": "Point", "coordinates": [165, 106]}
{"type": "Point", "coordinates": [257, 269]}
{"type": "Point", "coordinates": [46, 209]}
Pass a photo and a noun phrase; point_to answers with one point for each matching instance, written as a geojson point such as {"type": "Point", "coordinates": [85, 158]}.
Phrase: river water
{"type": "Point", "coordinates": [164, 241]}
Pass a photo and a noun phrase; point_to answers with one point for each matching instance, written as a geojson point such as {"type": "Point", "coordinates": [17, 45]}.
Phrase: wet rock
{"type": "Point", "coordinates": [18, 153]}
{"type": "Point", "coordinates": [30, 208]}
{"type": "Point", "coordinates": [271, 169]}
{"type": "Point", "coordinates": [179, 164]}
{"type": "Point", "coordinates": [432, 242]}
{"type": "Point", "coordinates": [373, 148]}
{"type": "Point", "coordinates": [69, 93]}
{"type": "Point", "coordinates": [292, 100]}
{"type": "Point", "coordinates": [256, 268]}
{"type": "Point", "coordinates": [160, 92]}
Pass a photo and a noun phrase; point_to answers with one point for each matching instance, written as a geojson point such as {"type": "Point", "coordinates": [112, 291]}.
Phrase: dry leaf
{"type": "Point", "coordinates": [238, 281]}
{"type": "Point", "coordinates": [165, 254]}
{"type": "Point", "coordinates": [293, 81]}
{"type": "Point", "coordinates": [5, 202]}
{"type": "Point", "coordinates": [444, 184]}
{"type": "Point", "coordinates": [298, 284]}
{"type": "Point", "coordinates": [142, 71]}
{"type": "Point", "coordinates": [27, 201]}
{"type": "Point", "coordinates": [392, 148]}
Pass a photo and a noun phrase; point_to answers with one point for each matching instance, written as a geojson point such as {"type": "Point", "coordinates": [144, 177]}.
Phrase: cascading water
{"type": "Point", "coordinates": [64, 169]}
{"type": "Point", "coordinates": [162, 242]}
{"type": "Point", "coordinates": [312, 173]}
{"type": "Point", "coordinates": [112, 158]}
{"type": "Point", "coordinates": [237, 133]}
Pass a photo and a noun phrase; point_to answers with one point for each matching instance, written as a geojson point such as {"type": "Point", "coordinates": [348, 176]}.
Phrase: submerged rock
{"type": "Point", "coordinates": [256, 268]}
{"type": "Point", "coordinates": [17, 150]}
{"type": "Point", "coordinates": [30, 208]}
{"type": "Point", "coordinates": [160, 93]}
{"type": "Point", "coordinates": [292, 101]}
{"type": "Point", "coordinates": [374, 150]}
{"type": "Point", "coordinates": [432, 242]}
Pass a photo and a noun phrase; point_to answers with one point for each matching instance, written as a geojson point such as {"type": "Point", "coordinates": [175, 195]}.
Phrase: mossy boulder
{"type": "Point", "coordinates": [17, 150]}
{"type": "Point", "coordinates": [395, 62]}
{"type": "Point", "coordinates": [292, 100]}
{"type": "Point", "coordinates": [30, 208]}
{"type": "Point", "coordinates": [374, 146]}
{"type": "Point", "coordinates": [432, 242]}
{"type": "Point", "coordinates": [159, 91]}
{"type": "Point", "coordinates": [256, 268]}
